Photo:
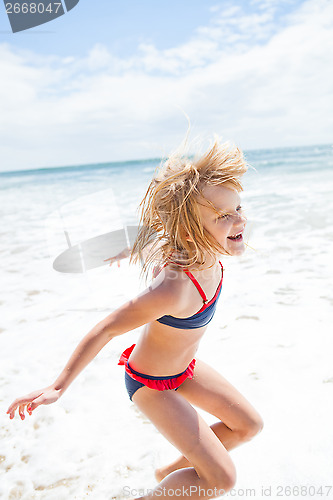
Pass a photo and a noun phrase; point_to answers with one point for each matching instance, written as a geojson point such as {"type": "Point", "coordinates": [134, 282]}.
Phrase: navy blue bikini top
{"type": "Point", "coordinates": [203, 316]}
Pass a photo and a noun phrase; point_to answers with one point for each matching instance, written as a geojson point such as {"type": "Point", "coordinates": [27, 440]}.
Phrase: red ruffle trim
{"type": "Point", "coordinates": [159, 385]}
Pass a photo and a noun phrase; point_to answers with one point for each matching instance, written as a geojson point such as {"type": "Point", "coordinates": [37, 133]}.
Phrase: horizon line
{"type": "Point", "coordinates": [123, 162]}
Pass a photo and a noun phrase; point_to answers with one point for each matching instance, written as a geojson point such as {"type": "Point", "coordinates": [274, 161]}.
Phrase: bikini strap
{"type": "Point", "coordinates": [195, 282]}
{"type": "Point", "coordinates": [200, 290]}
{"type": "Point", "coordinates": [221, 268]}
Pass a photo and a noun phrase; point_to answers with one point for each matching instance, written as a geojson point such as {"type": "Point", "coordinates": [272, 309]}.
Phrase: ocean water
{"type": "Point", "coordinates": [271, 335]}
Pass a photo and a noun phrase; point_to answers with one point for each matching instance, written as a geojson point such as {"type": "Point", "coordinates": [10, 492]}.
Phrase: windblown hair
{"type": "Point", "coordinates": [170, 222]}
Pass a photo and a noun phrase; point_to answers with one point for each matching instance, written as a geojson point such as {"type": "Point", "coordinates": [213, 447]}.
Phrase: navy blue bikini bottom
{"type": "Point", "coordinates": [133, 385]}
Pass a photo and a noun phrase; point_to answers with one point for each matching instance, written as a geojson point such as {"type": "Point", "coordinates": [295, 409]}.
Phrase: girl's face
{"type": "Point", "coordinates": [226, 227]}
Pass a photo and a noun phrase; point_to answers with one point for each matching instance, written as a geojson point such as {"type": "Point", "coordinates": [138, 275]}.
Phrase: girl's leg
{"type": "Point", "coordinates": [211, 472]}
{"type": "Point", "coordinates": [208, 390]}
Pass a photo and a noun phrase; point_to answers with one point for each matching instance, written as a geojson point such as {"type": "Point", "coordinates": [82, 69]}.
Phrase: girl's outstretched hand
{"type": "Point", "coordinates": [31, 401]}
{"type": "Point", "coordinates": [117, 258]}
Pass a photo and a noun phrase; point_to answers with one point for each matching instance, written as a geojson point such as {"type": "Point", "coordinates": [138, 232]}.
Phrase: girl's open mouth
{"type": "Point", "coordinates": [236, 237]}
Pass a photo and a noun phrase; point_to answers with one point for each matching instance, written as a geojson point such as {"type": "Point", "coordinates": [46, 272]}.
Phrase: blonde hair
{"type": "Point", "coordinates": [170, 218]}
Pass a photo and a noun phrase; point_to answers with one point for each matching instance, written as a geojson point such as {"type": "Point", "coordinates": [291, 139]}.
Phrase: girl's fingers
{"type": "Point", "coordinates": [110, 258]}
{"type": "Point", "coordinates": [32, 406]}
{"type": "Point", "coordinates": [11, 413]}
{"type": "Point", "coordinates": [21, 412]}
{"type": "Point", "coordinates": [13, 407]}
{"type": "Point", "coordinates": [25, 401]}
{"type": "Point", "coordinates": [11, 410]}
{"type": "Point", "coordinates": [19, 405]}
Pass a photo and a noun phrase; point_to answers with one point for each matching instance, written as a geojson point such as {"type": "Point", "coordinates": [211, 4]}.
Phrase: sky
{"type": "Point", "coordinates": [117, 82]}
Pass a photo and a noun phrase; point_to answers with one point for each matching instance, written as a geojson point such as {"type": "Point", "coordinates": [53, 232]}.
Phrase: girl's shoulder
{"type": "Point", "coordinates": [173, 279]}
{"type": "Point", "coordinates": [172, 276]}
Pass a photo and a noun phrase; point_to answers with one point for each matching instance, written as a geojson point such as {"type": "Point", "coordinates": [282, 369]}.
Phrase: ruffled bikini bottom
{"type": "Point", "coordinates": [134, 380]}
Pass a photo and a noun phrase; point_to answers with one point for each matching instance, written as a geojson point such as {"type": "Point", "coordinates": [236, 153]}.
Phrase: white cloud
{"type": "Point", "coordinates": [243, 77]}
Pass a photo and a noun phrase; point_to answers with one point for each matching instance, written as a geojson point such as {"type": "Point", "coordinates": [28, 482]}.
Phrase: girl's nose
{"type": "Point", "coordinates": [240, 218]}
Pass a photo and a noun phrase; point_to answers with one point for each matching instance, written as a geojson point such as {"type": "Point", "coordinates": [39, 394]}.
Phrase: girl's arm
{"type": "Point", "coordinates": [160, 298]}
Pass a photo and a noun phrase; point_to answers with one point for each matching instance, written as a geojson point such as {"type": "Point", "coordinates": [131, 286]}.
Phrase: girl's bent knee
{"type": "Point", "coordinates": [223, 478]}
{"type": "Point", "coordinates": [254, 427]}
{"type": "Point", "coordinates": [226, 482]}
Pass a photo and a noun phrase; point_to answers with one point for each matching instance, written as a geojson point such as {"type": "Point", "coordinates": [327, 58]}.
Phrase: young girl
{"type": "Point", "coordinates": [191, 216]}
